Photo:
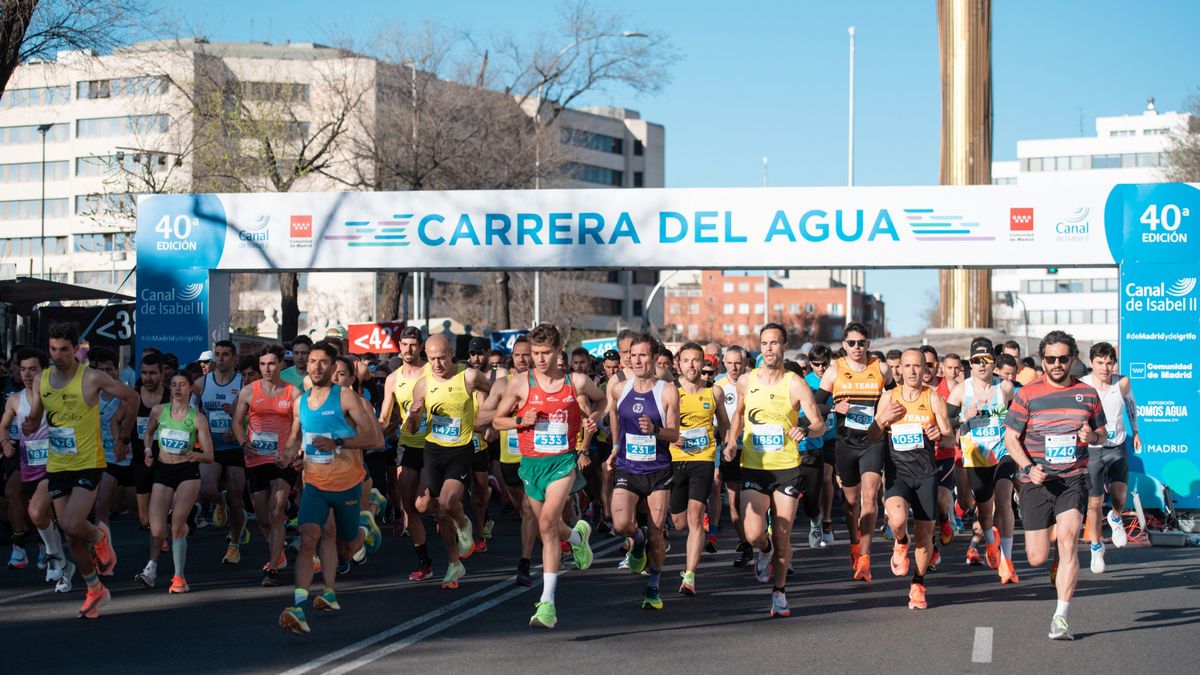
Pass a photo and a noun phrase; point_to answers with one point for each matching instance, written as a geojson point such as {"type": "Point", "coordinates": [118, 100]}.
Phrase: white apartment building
{"type": "Point", "coordinates": [1081, 300]}
{"type": "Point", "coordinates": [106, 127]}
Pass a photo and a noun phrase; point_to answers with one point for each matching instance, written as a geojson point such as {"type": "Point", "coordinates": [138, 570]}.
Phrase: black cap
{"type": "Point", "coordinates": [982, 346]}
{"type": "Point", "coordinates": [612, 355]}
{"type": "Point", "coordinates": [478, 345]}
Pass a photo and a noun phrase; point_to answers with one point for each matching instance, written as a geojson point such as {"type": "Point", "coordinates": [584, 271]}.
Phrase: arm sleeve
{"type": "Point", "coordinates": [821, 396]}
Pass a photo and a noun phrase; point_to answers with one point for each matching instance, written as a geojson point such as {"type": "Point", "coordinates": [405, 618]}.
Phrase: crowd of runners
{"type": "Point", "coordinates": [641, 443]}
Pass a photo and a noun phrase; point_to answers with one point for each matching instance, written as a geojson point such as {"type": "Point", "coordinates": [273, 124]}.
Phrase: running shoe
{"type": "Point", "coordinates": [316, 564]}
{"type": "Point", "coordinates": [292, 620]}
{"type": "Point", "coordinates": [973, 557]}
{"type": "Point", "coordinates": [652, 599]}
{"type": "Point", "coordinates": [637, 563]}
{"type": "Point", "coordinates": [744, 554]}
{"type": "Point", "coordinates": [488, 526]}
{"type": "Point", "coordinates": [64, 584]}
{"type": "Point", "coordinates": [19, 560]}
{"type": "Point", "coordinates": [763, 566]}
{"type": "Point", "coordinates": [147, 577]}
{"type": "Point", "coordinates": [827, 538]}
{"type": "Point", "coordinates": [178, 585]}
{"type": "Point", "coordinates": [900, 560]}
{"type": "Point", "coordinates": [544, 615]}
{"type": "Point", "coordinates": [95, 599]}
{"type": "Point", "coordinates": [935, 559]}
{"type": "Point", "coordinates": [422, 573]}
{"type": "Point", "coordinates": [360, 556]}
{"type": "Point", "coordinates": [779, 605]}
{"type": "Point", "coordinates": [220, 516]}
{"type": "Point", "coordinates": [1008, 575]}
{"type": "Point", "coordinates": [855, 552]}
{"type": "Point", "coordinates": [343, 567]}
{"type": "Point", "coordinates": [916, 597]}
{"type": "Point", "coordinates": [688, 585]}
{"type": "Point", "coordinates": [624, 564]}
{"type": "Point", "coordinates": [379, 501]}
{"type": "Point", "coordinates": [54, 567]}
{"type": "Point", "coordinates": [374, 538]}
{"type": "Point", "coordinates": [887, 533]}
{"type": "Point", "coordinates": [245, 538]}
{"type": "Point", "coordinates": [466, 541]}
{"type": "Point", "coordinates": [1059, 630]}
{"type": "Point", "coordinates": [105, 554]}
{"type": "Point", "coordinates": [991, 552]}
{"type": "Point", "coordinates": [233, 555]}
{"type": "Point", "coordinates": [454, 572]}
{"type": "Point", "coordinates": [582, 552]}
{"type": "Point", "coordinates": [326, 601]}
{"type": "Point", "coordinates": [710, 543]}
{"type": "Point", "coordinates": [1119, 537]}
{"type": "Point", "coordinates": [1098, 558]}
{"type": "Point", "coordinates": [481, 546]}
{"type": "Point", "coordinates": [524, 578]}
{"type": "Point", "coordinates": [270, 578]}
{"type": "Point", "coordinates": [814, 535]}
{"type": "Point", "coordinates": [946, 531]}
{"type": "Point", "coordinates": [862, 569]}
{"type": "Point", "coordinates": [41, 558]}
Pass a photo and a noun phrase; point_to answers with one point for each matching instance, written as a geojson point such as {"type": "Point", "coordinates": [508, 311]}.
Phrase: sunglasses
{"type": "Point", "coordinates": [857, 343]}
{"type": "Point", "coordinates": [476, 353]}
{"type": "Point", "coordinates": [977, 360]}
{"type": "Point", "coordinates": [1064, 360]}
{"type": "Point", "coordinates": [818, 364]}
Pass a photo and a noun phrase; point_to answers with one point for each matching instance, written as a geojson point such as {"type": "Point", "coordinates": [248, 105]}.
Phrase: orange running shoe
{"type": "Point", "coordinates": [973, 557]}
{"type": "Point", "coordinates": [862, 569]}
{"type": "Point", "coordinates": [916, 597]}
{"type": "Point", "coordinates": [947, 533]}
{"type": "Point", "coordinates": [991, 551]}
{"type": "Point", "coordinates": [1008, 575]}
{"type": "Point", "coordinates": [96, 598]}
{"type": "Point", "coordinates": [105, 555]}
{"type": "Point", "coordinates": [900, 559]}
{"type": "Point", "coordinates": [935, 559]}
{"type": "Point", "coordinates": [179, 585]}
{"type": "Point", "coordinates": [854, 553]}
{"type": "Point", "coordinates": [316, 565]}
{"type": "Point", "coordinates": [481, 546]}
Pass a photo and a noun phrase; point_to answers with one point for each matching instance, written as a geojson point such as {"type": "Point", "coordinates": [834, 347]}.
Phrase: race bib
{"type": "Point", "coordinates": [174, 441]}
{"type": "Point", "coordinates": [62, 440]}
{"type": "Point", "coordinates": [37, 453]}
{"type": "Point", "coordinates": [446, 429]}
{"type": "Point", "coordinates": [1112, 436]}
{"type": "Point", "coordinates": [512, 445]}
{"type": "Point", "coordinates": [142, 422]}
{"type": "Point", "coordinates": [694, 441]}
{"type": "Point", "coordinates": [550, 437]}
{"type": "Point", "coordinates": [984, 432]}
{"type": "Point", "coordinates": [859, 416]}
{"type": "Point", "coordinates": [219, 421]}
{"type": "Point", "coordinates": [767, 437]}
{"type": "Point", "coordinates": [831, 422]}
{"type": "Point", "coordinates": [14, 431]}
{"type": "Point", "coordinates": [907, 437]}
{"type": "Point", "coordinates": [264, 443]}
{"type": "Point", "coordinates": [1060, 449]}
{"type": "Point", "coordinates": [315, 455]}
{"type": "Point", "coordinates": [640, 447]}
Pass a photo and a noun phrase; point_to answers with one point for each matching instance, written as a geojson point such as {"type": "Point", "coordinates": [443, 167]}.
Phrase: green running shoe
{"type": "Point", "coordinates": [454, 572]}
{"type": "Point", "coordinates": [327, 601]}
{"type": "Point", "coordinates": [374, 538]}
{"type": "Point", "coordinates": [652, 599]}
{"type": "Point", "coordinates": [466, 541]}
{"type": "Point", "coordinates": [292, 620]}
{"type": "Point", "coordinates": [544, 615]}
{"type": "Point", "coordinates": [582, 552]}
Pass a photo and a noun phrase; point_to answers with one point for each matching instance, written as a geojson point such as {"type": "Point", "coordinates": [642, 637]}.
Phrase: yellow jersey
{"type": "Point", "coordinates": [768, 416]}
{"type": "Point", "coordinates": [74, 426]}
{"type": "Point", "coordinates": [696, 427]}
{"type": "Point", "coordinates": [449, 411]}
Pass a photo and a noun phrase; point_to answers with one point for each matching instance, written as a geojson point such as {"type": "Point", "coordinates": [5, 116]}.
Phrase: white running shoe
{"type": "Point", "coordinates": [1059, 629]}
{"type": "Point", "coordinates": [64, 582]}
{"type": "Point", "coordinates": [1119, 538]}
{"type": "Point", "coordinates": [1098, 560]}
{"type": "Point", "coordinates": [147, 577]}
{"type": "Point", "coordinates": [827, 539]}
{"type": "Point", "coordinates": [779, 604]}
{"type": "Point", "coordinates": [624, 564]}
{"type": "Point", "coordinates": [814, 535]}
{"type": "Point", "coordinates": [762, 566]}
{"type": "Point", "coordinates": [54, 568]}
{"type": "Point", "coordinates": [19, 559]}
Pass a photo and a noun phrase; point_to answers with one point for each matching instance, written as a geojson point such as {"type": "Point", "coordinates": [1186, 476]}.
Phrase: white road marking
{"type": "Point", "coordinates": [981, 652]}
{"type": "Point", "coordinates": [424, 618]}
{"type": "Point", "coordinates": [31, 594]}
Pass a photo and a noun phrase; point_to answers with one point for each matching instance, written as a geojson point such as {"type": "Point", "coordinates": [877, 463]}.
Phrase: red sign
{"type": "Point", "coordinates": [1020, 219]}
{"type": "Point", "coordinates": [301, 227]}
{"type": "Point", "coordinates": [374, 338]}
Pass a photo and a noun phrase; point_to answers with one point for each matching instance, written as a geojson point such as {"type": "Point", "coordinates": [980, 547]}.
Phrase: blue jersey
{"type": "Point", "coordinates": [814, 383]}
{"type": "Point", "coordinates": [327, 420]}
{"type": "Point", "coordinates": [638, 452]}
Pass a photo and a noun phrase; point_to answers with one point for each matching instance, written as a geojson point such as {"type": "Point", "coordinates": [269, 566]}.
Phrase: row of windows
{"type": "Point", "coordinates": [106, 242]}
{"type": "Point", "coordinates": [1059, 317]}
{"type": "Point", "coordinates": [742, 287]}
{"type": "Point", "coordinates": [108, 278]}
{"type": "Point", "coordinates": [82, 243]}
{"type": "Point", "coordinates": [275, 91]}
{"type": "Point", "coordinates": [35, 96]}
{"type": "Point", "coordinates": [1133, 132]}
{"type": "Point", "coordinates": [32, 246]}
{"type": "Point", "coordinates": [29, 134]}
{"type": "Point", "coordinates": [103, 203]}
{"type": "Point", "coordinates": [1103, 285]}
{"type": "Point", "coordinates": [593, 141]}
{"type": "Point", "coordinates": [151, 85]}
{"type": "Point", "coordinates": [31, 172]}
{"type": "Point", "coordinates": [596, 174]}
{"type": "Point", "coordinates": [30, 209]}
{"type": "Point", "coordinates": [102, 127]}
{"type": "Point", "coordinates": [1126, 160]}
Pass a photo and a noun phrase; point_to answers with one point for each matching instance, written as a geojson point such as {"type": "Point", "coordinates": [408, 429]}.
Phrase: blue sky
{"type": "Point", "coordinates": [770, 78]}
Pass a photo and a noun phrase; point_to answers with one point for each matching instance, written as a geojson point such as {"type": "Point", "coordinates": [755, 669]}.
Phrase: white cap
{"type": "Point", "coordinates": [206, 355]}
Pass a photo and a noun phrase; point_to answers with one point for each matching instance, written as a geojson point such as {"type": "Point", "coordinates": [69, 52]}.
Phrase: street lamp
{"type": "Point", "coordinates": [42, 129]}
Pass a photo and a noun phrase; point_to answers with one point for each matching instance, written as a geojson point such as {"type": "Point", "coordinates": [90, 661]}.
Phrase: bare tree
{"type": "Point", "coordinates": [38, 29]}
{"type": "Point", "coordinates": [1183, 147]}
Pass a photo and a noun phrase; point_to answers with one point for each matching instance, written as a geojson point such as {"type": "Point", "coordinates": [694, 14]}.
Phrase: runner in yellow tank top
{"type": "Point", "coordinates": [701, 415]}
{"type": "Point", "coordinates": [410, 451]}
{"type": "Point", "coordinates": [770, 429]}
{"type": "Point", "coordinates": [68, 393]}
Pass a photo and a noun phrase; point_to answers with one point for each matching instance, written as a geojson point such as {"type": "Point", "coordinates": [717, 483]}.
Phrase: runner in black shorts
{"type": "Point", "coordinates": [914, 419]}
{"type": "Point", "coordinates": [730, 471]}
{"type": "Point", "coordinates": [151, 393]}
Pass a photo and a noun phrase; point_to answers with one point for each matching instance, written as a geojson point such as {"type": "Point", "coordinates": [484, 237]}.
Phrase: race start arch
{"type": "Point", "coordinates": [187, 245]}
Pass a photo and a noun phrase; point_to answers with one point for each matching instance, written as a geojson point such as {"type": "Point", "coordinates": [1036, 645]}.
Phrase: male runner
{"type": "Point", "coordinates": [611, 363]}
{"type": "Point", "coordinates": [332, 428]}
{"type": "Point", "coordinates": [218, 393]}
{"type": "Point", "coordinates": [644, 412]}
{"type": "Point", "coordinates": [943, 455]}
{"type": "Point", "coordinates": [410, 450]}
{"type": "Point", "coordinates": [1107, 461]}
{"type": "Point", "coordinates": [485, 442]}
{"type": "Point", "coordinates": [552, 409]}
{"type": "Point", "coordinates": [152, 392]}
{"type": "Point", "coordinates": [821, 535]}
{"type": "Point", "coordinates": [979, 404]}
{"type": "Point", "coordinates": [914, 418]}
{"type": "Point", "coordinates": [855, 383]}
{"type": "Point", "coordinates": [118, 474]}
{"type": "Point", "coordinates": [294, 375]}
{"type": "Point", "coordinates": [1025, 374]}
{"type": "Point", "coordinates": [735, 361]}
{"type": "Point", "coordinates": [1006, 368]}
{"type": "Point", "coordinates": [69, 395]}
{"type": "Point", "coordinates": [767, 417]}
{"type": "Point", "coordinates": [267, 405]}
{"type": "Point", "coordinates": [702, 420]}
{"type": "Point", "coordinates": [445, 398]}
{"type": "Point", "coordinates": [1050, 424]}
{"type": "Point", "coordinates": [581, 361]}
{"type": "Point", "coordinates": [510, 457]}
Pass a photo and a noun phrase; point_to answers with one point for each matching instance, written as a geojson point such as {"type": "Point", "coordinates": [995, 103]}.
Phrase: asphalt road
{"type": "Point", "coordinates": [1142, 615]}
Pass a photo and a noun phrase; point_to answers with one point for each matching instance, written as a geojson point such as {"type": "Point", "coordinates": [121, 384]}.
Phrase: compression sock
{"type": "Point", "coordinates": [179, 554]}
{"type": "Point", "coordinates": [51, 539]}
{"type": "Point", "coordinates": [989, 536]}
{"type": "Point", "coordinates": [652, 582]}
{"type": "Point", "coordinates": [1006, 547]}
{"type": "Point", "coordinates": [549, 585]}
